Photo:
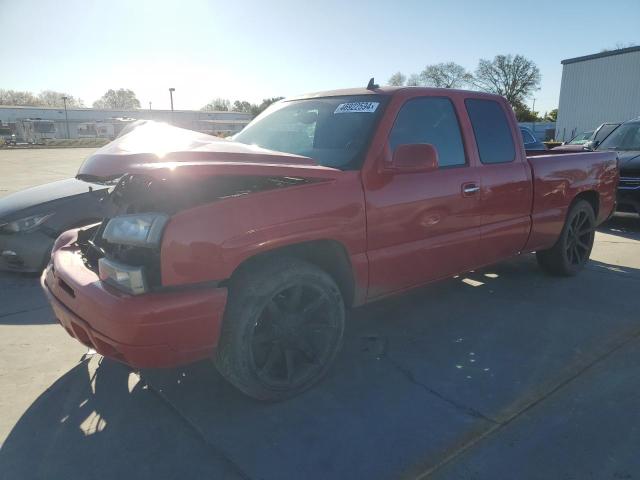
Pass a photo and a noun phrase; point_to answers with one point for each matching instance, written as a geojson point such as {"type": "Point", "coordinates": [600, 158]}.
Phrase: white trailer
{"type": "Point", "coordinates": [35, 130]}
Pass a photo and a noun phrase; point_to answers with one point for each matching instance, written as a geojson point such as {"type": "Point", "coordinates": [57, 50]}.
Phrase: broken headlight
{"type": "Point", "coordinates": [140, 229]}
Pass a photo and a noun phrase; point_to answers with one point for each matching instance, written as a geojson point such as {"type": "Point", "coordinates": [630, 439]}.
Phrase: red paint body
{"type": "Point", "coordinates": [399, 230]}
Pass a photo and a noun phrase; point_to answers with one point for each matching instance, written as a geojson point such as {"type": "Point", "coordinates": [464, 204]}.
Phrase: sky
{"type": "Point", "coordinates": [252, 49]}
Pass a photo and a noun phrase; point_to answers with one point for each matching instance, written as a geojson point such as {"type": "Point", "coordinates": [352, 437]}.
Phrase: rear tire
{"type": "Point", "coordinates": [282, 329]}
{"type": "Point", "coordinates": [572, 250]}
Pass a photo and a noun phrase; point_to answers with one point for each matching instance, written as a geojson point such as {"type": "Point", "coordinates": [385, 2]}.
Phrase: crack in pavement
{"type": "Point", "coordinates": [4, 315]}
{"type": "Point", "coordinates": [500, 425]}
{"type": "Point", "coordinates": [464, 408]}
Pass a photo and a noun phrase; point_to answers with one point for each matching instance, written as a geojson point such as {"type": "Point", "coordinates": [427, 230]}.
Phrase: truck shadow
{"type": "Point", "coordinates": [99, 421]}
{"type": "Point", "coordinates": [419, 376]}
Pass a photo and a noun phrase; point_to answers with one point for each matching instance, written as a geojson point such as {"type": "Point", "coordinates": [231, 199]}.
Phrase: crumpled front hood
{"type": "Point", "coordinates": [154, 143]}
{"type": "Point", "coordinates": [43, 194]}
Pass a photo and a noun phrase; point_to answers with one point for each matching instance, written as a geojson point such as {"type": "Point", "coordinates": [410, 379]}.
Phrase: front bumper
{"type": "Point", "coordinates": [31, 251]}
{"type": "Point", "coordinates": [162, 329]}
{"type": "Point", "coordinates": [628, 197]}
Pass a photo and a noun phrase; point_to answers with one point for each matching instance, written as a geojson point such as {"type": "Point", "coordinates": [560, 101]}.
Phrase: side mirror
{"type": "Point", "coordinates": [414, 158]}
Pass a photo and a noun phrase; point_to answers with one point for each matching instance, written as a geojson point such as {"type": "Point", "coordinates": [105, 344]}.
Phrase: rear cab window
{"type": "Point", "coordinates": [491, 130]}
{"type": "Point", "coordinates": [430, 120]}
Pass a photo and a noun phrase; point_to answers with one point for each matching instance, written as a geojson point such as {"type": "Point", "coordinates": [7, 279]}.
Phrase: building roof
{"type": "Point", "coordinates": [89, 109]}
{"type": "Point", "coordinates": [608, 53]}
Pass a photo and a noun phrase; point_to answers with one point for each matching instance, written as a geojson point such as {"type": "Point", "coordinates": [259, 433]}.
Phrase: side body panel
{"type": "Point", "coordinates": [506, 197]}
{"type": "Point", "coordinates": [558, 179]}
{"type": "Point", "coordinates": [421, 226]}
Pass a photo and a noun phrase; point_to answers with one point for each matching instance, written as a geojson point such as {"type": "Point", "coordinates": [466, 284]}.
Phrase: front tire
{"type": "Point", "coordinates": [572, 250]}
{"type": "Point", "coordinates": [282, 329]}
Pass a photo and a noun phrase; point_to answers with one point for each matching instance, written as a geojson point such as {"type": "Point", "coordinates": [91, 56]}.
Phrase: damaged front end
{"type": "Point", "coordinates": [124, 250]}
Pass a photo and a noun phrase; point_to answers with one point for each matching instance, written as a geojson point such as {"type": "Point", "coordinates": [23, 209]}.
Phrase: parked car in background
{"type": "Point", "coordinates": [625, 140]}
{"type": "Point", "coordinates": [531, 142]}
{"type": "Point", "coordinates": [7, 137]}
{"type": "Point", "coordinates": [588, 140]}
{"type": "Point", "coordinates": [248, 251]}
{"type": "Point", "coordinates": [31, 220]}
{"type": "Point", "coordinates": [581, 138]}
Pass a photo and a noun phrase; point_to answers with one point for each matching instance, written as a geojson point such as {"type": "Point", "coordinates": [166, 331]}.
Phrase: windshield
{"type": "Point", "coordinates": [605, 131]}
{"type": "Point", "coordinates": [334, 131]}
{"type": "Point", "coordinates": [625, 137]}
{"type": "Point", "coordinates": [581, 139]}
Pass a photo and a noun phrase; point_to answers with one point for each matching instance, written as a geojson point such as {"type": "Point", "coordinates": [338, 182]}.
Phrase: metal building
{"type": "Point", "coordinates": [604, 87]}
{"type": "Point", "coordinates": [77, 119]}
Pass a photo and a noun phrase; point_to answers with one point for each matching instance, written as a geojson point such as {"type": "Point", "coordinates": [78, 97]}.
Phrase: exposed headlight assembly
{"type": "Point", "coordinates": [128, 278]}
{"type": "Point", "coordinates": [26, 224]}
{"type": "Point", "coordinates": [140, 229]}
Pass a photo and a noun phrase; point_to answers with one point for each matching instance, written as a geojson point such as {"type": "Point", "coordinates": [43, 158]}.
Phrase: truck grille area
{"type": "Point", "coordinates": [141, 194]}
{"type": "Point", "coordinates": [629, 183]}
{"type": "Point", "coordinates": [93, 247]}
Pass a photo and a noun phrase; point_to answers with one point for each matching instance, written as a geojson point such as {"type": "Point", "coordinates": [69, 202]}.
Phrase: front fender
{"type": "Point", "coordinates": [208, 242]}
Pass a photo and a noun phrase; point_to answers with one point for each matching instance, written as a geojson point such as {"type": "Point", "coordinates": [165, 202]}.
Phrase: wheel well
{"type": "Point", "coordinates": [328, 255]}
{"type": "Point", "coordinates": [592, 197]}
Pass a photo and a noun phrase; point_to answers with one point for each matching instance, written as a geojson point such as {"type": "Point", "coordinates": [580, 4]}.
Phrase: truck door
{"type": "Point", "coordinates": [506, 193]}
{"type": "Point", "coordinates": [422, 226]}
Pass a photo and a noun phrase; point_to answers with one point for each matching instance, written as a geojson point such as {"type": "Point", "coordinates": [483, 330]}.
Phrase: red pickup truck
{"type": "Point", "coordinates": [248, 251]}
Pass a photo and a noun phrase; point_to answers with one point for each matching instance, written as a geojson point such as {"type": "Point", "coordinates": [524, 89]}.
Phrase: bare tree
{"type": "Point", "coordinates": [18, 98]}
{"type": "Point", "coordinates": [51, 98]}
{"type": "Point", "coordinates": [445, 75]}
{"type": "Point", "coordinates": [121, 99]}
{"type": "Point", "coordinates": [398, 79]}
{"type": "Point", "coordinates": [620, 46]}
{"type": "Point", "coordinates": [513, 77]}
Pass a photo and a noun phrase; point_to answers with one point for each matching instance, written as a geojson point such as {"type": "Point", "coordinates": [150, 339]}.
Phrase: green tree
{"type": "Point", "coordinates": [414, 80]}
{"type": "Point", "coordinates": [398, 79]}
{"type": "Point", "coordinates": [552, 116]}
{"type": "Point", "coordinates": [524, 113]}
{"type": "Point", "coordinates": [445, 75]}
{"type": "Point", "coordinates": [266, 102]}
{"type": "Point", "coordinates": [217, 105]}
{"type": "Point", "coordinates": [513, 77]}
{"type": "Point", "coordinates": [242, 106]}
{"type": "Point", "coordinates": [121, 99]}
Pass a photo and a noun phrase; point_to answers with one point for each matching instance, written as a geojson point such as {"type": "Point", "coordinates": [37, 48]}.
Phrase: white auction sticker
{"type": "Point", "coordinates": [357, 107]}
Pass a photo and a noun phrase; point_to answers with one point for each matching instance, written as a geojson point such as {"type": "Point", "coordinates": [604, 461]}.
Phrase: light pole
{"type": "Point", "coordinates": [171, 90]}
{"type": "Point", "coordinates": [66, 118]}
{"type": "Point", "coordinates": [533, 111]}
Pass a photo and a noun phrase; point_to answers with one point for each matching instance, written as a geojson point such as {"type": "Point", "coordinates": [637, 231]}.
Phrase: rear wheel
{"type": "Point", "coordinates": [282, 329]}
{"type": "Point", "coordinates": [572, 250]}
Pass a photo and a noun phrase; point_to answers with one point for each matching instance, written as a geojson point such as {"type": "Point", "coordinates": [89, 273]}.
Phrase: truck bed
{"type": "Point", "coordinates": [558, 178]}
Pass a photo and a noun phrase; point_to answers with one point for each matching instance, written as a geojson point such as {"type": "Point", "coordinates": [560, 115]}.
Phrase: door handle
{"type": "Point", "coordinates": [469, 189]}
